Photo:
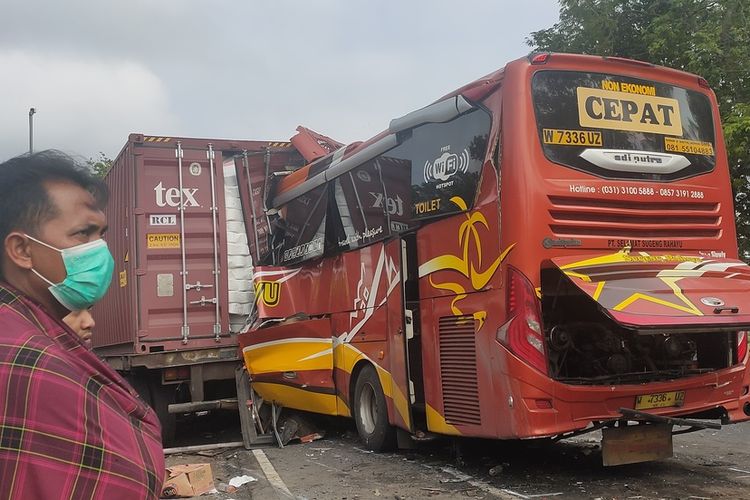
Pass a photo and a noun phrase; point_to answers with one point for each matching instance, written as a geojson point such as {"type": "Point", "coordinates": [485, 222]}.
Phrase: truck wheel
{"type": "Point", "coordinates": [161, 397]}
{"type": "Point", "coordinates": [371, 412]}
{"type": "Point", "coordinates": [158, 397]}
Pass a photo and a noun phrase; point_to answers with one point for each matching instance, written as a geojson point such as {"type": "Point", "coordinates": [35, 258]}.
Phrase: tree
{"type": "Point", "coordinates": [100, 165]}
{"type": "Point", "coordinates": [710, 38]}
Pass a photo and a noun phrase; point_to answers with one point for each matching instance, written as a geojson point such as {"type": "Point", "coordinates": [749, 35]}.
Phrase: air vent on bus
{"type": "Point", "coordinates": [606, 218]}
{"type": "Point", "coordinates": [458, 370]}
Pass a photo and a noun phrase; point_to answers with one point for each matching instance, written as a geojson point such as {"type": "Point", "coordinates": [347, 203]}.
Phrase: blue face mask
{"type": "Point", "coordinates": [89, 269]}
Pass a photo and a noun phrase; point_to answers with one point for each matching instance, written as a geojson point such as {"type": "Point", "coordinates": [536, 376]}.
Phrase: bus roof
{"type": "Point", "coordinates": [480, 88]}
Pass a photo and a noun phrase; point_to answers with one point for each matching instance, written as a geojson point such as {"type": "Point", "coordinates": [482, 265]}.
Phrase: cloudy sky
{"type": "Point", "coordinates": [99, 70]}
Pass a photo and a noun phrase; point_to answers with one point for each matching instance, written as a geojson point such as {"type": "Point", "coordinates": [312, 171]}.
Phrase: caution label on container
{"type": "Point", "coordinates": [163, 240]}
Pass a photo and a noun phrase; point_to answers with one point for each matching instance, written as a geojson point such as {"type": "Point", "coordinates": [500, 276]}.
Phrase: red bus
{"type": "Point", "coordinates": [547, 251]}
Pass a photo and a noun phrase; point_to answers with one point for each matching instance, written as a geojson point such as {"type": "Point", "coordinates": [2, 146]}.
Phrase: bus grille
{"type": "Point", "coordinates": [458, 370]}
{"type": "Point", "coordinates": [607, 218]}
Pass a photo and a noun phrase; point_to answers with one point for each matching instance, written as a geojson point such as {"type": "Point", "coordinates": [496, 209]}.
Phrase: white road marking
{"type": "Point", "coordinates": [515, 495]}
{"type": "Point", "coordinates": [325, 466]}
{"type": "Point", "coordinates": [271, 474]}
{"type": "Point", "coordinates": [496, 492]}
{"type": "Point", "coordinates": [740, 470]}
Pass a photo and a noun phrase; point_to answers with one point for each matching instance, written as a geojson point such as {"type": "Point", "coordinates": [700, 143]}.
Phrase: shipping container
{"type": "Point", "coordinates": [183, 267]}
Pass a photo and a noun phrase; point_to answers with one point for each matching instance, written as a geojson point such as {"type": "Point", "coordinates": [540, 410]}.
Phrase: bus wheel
{"type": "Point", "coordinates": [371, 413]}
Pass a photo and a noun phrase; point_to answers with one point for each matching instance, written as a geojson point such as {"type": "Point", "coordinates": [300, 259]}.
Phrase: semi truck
{"type": "Point", "coordinates": [181, 243]}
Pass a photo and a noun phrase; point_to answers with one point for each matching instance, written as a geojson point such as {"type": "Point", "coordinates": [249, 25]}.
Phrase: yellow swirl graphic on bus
{"type": "Point", "coordinates": [468, 264]}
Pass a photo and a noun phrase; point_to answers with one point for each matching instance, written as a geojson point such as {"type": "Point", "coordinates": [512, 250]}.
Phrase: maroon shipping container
{"type": "Point", "coordinates": [178, 220]}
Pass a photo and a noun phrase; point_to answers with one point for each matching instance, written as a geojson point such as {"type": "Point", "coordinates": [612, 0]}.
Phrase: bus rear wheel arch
{"type": "Point", "coordinates": [371, 412]}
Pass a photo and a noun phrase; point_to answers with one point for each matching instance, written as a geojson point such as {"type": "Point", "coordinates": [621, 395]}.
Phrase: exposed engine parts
{"type": "Point", "coordinates": [584, 345]}
{"type": "Point", "coordinates": [592, 349]}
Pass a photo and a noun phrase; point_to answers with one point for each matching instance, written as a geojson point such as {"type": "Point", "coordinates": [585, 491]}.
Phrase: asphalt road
{"type": "Point", "coordinates": [706, 465]}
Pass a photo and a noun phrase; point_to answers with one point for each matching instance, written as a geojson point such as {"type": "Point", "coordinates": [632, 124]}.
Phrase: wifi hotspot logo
{"type": "Point", "coordinates": [446, 165]}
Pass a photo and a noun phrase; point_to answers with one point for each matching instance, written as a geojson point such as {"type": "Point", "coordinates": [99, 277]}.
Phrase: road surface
{"type": "Point", "coordinates": [706, 465]}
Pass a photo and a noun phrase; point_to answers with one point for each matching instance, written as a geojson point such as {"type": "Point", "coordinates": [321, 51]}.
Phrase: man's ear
{"type": "Point", "coordinates": [18, 250]}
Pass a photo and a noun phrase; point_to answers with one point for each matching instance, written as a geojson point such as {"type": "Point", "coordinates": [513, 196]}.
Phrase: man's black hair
{"type": "Point", "coordinates": [24, 204]}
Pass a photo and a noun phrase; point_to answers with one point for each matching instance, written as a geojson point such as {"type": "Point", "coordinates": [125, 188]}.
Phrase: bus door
{"type": "Point", "coordinates": [401, 339]}
{"type": "Point", "coordinates": [412, 327]}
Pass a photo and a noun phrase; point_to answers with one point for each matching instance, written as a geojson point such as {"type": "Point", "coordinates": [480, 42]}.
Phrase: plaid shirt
{"type": "Point", "coordinates": [70, 426]}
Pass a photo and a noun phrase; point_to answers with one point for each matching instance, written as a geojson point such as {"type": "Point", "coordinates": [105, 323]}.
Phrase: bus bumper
{"type": "Point", "coordinates": [544, 407]}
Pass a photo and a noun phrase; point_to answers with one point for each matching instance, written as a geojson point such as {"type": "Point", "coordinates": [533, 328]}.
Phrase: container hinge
{"type": "Point", "coordinates": [197, 287]}
{"type": "Point", "coordinates": [203, 301]}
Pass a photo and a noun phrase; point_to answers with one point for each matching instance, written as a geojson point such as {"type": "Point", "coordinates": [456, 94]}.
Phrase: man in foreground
{"type": "Point", "coordinates": [70, 426]}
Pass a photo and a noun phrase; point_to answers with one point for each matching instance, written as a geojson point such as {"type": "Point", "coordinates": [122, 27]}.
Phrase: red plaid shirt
{"type": "Point", "coordinates": [70, 426]}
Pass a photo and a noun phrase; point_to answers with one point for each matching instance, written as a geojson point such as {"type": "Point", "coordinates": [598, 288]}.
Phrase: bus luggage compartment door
{"type": "Point", "coordinates": [291, 364]}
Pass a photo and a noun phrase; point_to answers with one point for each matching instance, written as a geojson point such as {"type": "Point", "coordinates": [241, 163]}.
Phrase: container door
{"type": "Point", "coordinates": [179, 254]}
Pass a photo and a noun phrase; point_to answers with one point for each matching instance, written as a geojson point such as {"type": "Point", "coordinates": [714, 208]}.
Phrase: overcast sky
{"type": "Point", "coordinates": [99, 70]}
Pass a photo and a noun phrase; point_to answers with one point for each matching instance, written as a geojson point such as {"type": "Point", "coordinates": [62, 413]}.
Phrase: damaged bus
{"type": "Point", "coordinates": [547, 251]}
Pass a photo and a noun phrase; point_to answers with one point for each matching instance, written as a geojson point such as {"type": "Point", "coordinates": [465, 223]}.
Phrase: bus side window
{"type": "Point", "coordinates": [396, 176]}
{"type": "Point", "coordinates": [302, 227]}
{"type": "Point", "coordinates": [361, 206]}
{"type": "Point", "coordinates": [443, 161]}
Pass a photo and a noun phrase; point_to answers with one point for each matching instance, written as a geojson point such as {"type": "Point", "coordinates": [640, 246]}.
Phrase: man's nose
{"type": "Point", "coordinates": [88, 321]}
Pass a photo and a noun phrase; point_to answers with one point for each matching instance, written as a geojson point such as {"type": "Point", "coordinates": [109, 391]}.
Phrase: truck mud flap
{"type": "Point", "coordinates": [652, 440]}
{"type": "Point", "coordinates": [636, 443]}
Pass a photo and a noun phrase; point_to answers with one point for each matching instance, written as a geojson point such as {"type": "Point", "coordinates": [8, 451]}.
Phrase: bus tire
{"type": "Point", "coordinates": [371, 412]}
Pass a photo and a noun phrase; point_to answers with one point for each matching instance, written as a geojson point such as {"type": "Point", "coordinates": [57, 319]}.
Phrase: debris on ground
{"type": "Point", "coordinates": [188, 480]}
{"type": "Point", "coordinates": [294, 425]}
{"type": "Point", "coordinates": [221, 447]}
{"type": "Point", "coordinates": [496, 470]}
{"type": "Point", "coordinates": [236, 482]}
{"type": "Point", "coordinates": [309, 438]}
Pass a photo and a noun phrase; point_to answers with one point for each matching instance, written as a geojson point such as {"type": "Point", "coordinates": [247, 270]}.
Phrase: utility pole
{"type": "Point", "coordinates": [31, 129]}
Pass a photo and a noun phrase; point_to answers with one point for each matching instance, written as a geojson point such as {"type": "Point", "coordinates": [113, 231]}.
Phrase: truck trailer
{"type": "Point", "coordinates": [181, 242]}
